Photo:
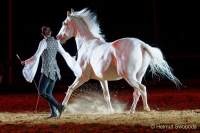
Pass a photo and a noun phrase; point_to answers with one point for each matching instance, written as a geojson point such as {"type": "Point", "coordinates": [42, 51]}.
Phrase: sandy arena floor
{"type": "Point", "coordinates": [172, 111]}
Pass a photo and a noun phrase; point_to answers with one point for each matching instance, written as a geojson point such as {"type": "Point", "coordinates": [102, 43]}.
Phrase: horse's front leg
{"type": "Point", "coordinates": [104, 85]}
{"type": "Point", "coordinates": [77, 83]}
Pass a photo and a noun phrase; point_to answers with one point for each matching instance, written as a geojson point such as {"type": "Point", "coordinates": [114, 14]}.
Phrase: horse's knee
{"type": "Point", "coordinates": [70, 90]}
{"type": "Point", "coordinates": [107, 98]}
{"type": "Point", "coordinates": [106, 95]}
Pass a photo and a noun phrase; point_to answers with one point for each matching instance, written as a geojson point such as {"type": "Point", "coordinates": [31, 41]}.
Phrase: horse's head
{"type": "Point", "coordinates": [67, 30]}
{"type": "Point", "coordinates": [82, 23]}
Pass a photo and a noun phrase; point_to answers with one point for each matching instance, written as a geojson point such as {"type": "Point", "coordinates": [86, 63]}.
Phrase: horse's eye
{"type": "Point", "coordinates": [64, 23]}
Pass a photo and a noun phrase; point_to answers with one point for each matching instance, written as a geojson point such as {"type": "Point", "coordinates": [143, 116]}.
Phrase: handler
{"type": "Point", "coordinates": [50, 72]}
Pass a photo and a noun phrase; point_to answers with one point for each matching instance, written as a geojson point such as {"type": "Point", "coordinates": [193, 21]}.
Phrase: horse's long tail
{"type": "Point", "coordinates": [159, 65]}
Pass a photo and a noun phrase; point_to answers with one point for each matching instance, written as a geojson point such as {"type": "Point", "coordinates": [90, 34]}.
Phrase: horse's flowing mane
{"type": "Point", "coordinates": [91, 20]}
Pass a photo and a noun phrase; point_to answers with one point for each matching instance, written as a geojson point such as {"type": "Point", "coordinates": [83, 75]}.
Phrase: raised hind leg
{"type": "Point", "coordinates": [140, 74]}
{"type": "Point", "coordinates": [144, 97]}
{"type": "Point", "coordinates": [104, 85]}
{"type": "Point", "coordinates": [139, 89]}
{"type": "Point", "coordinates": [136, 96]}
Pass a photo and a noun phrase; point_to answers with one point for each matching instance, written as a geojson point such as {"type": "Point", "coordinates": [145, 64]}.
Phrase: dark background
{"type": "Point", "coordinates": [172, 26]}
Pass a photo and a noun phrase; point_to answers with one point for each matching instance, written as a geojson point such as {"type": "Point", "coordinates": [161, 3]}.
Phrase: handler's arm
{"type": "Point", "coordinates": [71, 62]}
{"type": "Point", "coordinates": [42, 46]}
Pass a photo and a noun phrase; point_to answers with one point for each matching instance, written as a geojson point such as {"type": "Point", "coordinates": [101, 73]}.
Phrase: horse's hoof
{"type": "Point", "coordinates": [112, 111]}
{"type": "Point", "coordinates": [147, 109]}
{"type": "Point", "coordinates": [131, 111]}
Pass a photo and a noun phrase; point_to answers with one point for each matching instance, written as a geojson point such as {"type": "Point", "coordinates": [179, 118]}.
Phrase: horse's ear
{"type": "Point", "coordinates": [68, 13]}
{"type": "Point", "coordinates": [72, 10]}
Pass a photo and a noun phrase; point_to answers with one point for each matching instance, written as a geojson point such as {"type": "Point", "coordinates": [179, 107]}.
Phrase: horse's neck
{"type": "Point", "coordinates": [88, 42]}
{"type": "Point", "coordinates": [79, 42]}
{"type": "Point", "coordinates": [82, 31]}
{"type": "Point", "coordinates": [82, 42]}
{"type": "Point", "coordinates": [84, 36]}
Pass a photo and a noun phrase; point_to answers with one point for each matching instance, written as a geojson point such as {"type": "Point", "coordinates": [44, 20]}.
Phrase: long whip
{"type": "Point", "coordinates": [38, 96]}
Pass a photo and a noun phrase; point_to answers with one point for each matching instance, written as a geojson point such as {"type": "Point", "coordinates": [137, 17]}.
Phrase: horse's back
{"type": "Point", "coordinates": [116, 59]}
{"type": "Point", "coordinates": [126, 41]}
{"type": "Point", "coordinates": [125, 47]}
{"type": "Point", "coordinates": [128, 55]}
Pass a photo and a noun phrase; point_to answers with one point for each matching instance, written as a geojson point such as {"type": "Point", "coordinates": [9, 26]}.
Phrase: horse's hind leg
{"type": "Point", "coordinates": [139, 89]}
{"type": "Point", "coordinates": [136, 96]}
{"type": "Point", "coordinates": [144, 97]}
{"type": "Point", "coordinates": [140, 75]}
{"type": "Point", "coordinates": [104, 85]}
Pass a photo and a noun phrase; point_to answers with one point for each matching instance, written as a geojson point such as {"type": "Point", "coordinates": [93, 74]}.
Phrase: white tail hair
{"type": "Point", "coordinates": [159, 65]}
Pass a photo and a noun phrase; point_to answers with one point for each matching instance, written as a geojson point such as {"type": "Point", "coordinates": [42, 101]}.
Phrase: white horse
{"type": "Point", "coordinates": [126, 58]}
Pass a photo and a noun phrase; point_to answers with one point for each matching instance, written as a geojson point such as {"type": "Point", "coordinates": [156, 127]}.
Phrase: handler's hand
{"type": "Point", "coordinates": [23, 62]}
